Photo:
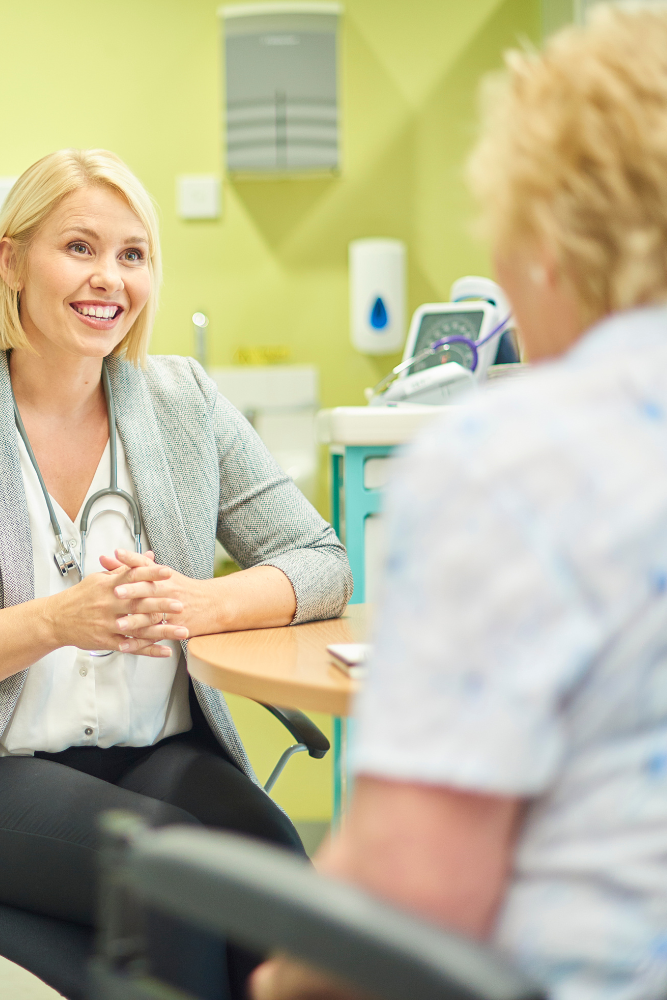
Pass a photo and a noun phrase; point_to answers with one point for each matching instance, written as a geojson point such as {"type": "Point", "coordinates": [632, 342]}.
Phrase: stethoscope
{"type": "Point", "coordinates": [466, 349]}
{"type": "Point", "coordinates": [65, 558]}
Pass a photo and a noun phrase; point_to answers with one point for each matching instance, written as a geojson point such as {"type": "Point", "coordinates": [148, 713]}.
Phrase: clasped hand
{"type": "Point", "coordinates": [122, 609]}
{"type": "Point", "coordinates": [281, 978]}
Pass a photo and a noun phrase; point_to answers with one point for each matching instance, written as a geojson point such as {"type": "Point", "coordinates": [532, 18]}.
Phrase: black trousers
{"type": "Point", "coordinates": [49, 804]}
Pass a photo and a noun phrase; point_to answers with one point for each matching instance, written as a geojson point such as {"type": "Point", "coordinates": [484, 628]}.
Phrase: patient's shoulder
{"type": "Point", "coordinates": [554, 410]}
{"type": "Point", "coordinates": [563, 437]}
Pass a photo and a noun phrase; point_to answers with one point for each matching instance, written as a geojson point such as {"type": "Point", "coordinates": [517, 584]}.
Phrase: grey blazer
{"type": "Point", "coordinates": [200, 472]}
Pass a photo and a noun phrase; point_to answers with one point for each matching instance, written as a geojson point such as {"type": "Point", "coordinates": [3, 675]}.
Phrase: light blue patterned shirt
{"type": "Point", "coordinates": [522, 647]}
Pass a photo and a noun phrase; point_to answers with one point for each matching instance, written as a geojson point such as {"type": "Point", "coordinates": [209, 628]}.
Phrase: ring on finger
{"type": "Point", "coordinates": [164, 618]}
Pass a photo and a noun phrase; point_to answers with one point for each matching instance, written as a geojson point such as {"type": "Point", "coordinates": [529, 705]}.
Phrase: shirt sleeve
{"type": "Point", "coordinates": [264, 519]}
{"type": "Point", "coordinates": [482, 628]}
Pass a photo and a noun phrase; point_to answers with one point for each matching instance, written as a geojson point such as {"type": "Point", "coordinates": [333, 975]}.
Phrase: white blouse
{"type": "Point", "coordinates": [71, 698]}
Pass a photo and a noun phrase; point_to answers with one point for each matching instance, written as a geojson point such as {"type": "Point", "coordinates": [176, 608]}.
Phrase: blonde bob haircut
{"type": "Point", "coordinates": [573, 155]}
{"type": "Point", "coordinates": [35, 194]}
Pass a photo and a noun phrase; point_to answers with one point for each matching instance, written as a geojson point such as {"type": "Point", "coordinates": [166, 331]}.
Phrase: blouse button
{"type": "Point", "coordinates": [83, 671]}
{"type": "Point", "coordinates": [88, 731]}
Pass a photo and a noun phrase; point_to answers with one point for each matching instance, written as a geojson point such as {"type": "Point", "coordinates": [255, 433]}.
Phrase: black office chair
{"type": "Point", "coordinates": [58, 952]}
{"type": "Point", "coordinates": [264, 899]}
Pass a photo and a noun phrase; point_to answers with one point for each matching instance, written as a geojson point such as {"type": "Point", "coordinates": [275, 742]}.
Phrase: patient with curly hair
{"type": "Point", "coordinates": [511, 750]}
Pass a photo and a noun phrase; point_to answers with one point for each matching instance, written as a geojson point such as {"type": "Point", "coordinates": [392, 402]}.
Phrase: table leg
{"type": "Point", "coordinates": [342, 782]}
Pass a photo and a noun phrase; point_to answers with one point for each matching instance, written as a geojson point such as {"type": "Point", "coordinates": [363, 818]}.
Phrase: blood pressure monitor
{"type": "Point", "coordinates": [449, 346]}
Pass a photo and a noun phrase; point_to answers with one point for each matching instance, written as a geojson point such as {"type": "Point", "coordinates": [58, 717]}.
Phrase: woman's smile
{"type": "Point", "coordinates": [98, 314]}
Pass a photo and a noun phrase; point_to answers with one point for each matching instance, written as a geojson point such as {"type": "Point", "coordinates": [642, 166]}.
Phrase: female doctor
{"type": "Point", "coordinates": [96, 710]}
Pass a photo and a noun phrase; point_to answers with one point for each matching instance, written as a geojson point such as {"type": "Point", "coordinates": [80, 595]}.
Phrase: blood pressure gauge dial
{"type": "Point", "coordinates": [461, 327]}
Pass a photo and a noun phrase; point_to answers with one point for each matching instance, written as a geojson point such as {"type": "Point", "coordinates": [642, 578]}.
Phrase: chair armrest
{"type": "Point", "coordinates": [265, 899]}
{"type": "Point", "coordinates": [302, 729]}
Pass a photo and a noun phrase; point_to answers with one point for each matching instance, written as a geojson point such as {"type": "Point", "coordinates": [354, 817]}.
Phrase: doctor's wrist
{"type": "Point", "coordinates": [49, 623]}
{"type": "Point", "coordinates": [259, 597]}
{"type": "Point", "coordinates": [213, 608]}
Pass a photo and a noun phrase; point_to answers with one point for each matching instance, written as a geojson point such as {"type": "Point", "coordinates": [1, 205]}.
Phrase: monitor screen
{"type": "Point", "coordinates": [434, 326]}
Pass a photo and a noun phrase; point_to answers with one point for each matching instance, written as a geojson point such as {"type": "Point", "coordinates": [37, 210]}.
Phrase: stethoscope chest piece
{"type": "Point", "coordinates": [66, 561]}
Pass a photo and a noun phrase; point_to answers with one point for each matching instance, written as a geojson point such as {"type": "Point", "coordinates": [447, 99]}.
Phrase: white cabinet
{"type": "Point", "coordinates": [281, 403]}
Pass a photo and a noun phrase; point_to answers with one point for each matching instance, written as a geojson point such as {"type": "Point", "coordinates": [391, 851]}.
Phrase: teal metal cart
{"type": "Point", "coordinates": [355, 435]}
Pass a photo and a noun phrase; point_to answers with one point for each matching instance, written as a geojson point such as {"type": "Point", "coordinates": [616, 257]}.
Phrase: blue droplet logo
{"type": "Point", "coordinates": [379, 317]}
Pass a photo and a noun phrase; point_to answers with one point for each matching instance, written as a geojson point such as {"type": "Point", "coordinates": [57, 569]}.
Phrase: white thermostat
{"type": "Point", "coordinates": [198, 196]}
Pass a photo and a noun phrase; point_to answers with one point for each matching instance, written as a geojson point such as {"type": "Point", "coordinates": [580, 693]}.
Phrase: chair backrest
{"type": "Point", "coordinates": [265, 899]}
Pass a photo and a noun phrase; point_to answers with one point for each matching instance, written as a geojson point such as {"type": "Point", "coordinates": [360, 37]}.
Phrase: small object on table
{"type": "Point", "coordinates": [350, 657]}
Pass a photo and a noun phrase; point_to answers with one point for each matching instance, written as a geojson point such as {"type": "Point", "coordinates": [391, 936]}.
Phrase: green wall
{"type": "Point", "coordinates": [144, 78]}
{"type": "Point", "coordinates": [556, 14]}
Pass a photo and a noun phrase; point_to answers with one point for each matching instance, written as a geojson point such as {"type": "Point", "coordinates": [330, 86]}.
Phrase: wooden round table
{"type": "Point", "coordinates": [290, 667]}
{"type": "Point", "coordinates": [286, 666]}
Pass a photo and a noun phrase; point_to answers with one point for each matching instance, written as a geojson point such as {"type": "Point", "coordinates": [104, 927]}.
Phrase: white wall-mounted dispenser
{"type": "Point", "coordinates": [377, 295]}
{"type": "Point", "coordinates": [281, 86]}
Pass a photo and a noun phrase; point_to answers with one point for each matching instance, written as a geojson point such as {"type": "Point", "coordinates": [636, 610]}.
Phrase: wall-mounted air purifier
{"type": "Point", "coordinates": [377, 295]}
{"type": "Point", "coordinates": [281, 86]}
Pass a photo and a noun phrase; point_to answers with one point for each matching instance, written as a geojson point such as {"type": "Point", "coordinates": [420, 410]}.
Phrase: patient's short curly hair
{"type": "Point", "coordinates": [573, 153]}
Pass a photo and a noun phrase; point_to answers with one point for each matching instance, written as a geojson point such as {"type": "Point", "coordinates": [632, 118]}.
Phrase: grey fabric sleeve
{"type": "Point", "coordinates": [264, 520]}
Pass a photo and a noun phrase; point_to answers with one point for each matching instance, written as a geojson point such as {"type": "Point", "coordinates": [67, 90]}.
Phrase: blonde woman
{"type": "Point", "coordinates": [511, 745]}
{"type": "Point", "coordinates": [96, 709]}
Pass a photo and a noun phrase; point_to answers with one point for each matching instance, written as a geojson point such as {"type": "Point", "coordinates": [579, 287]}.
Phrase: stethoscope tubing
{"type": "Point", "coordinates": [65, 549]}
{"type": "Point", "coordinates": [112, 489]}
{"type": "Point", "coordinates": [68, 558]}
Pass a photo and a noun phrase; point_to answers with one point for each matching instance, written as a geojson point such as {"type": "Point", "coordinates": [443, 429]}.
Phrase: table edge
{"type": "Point", "coordinates": [273, 691]}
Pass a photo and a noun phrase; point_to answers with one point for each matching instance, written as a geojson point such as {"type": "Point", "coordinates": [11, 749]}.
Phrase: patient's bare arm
{"type": "Point", "coordinates": [442, 853]}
